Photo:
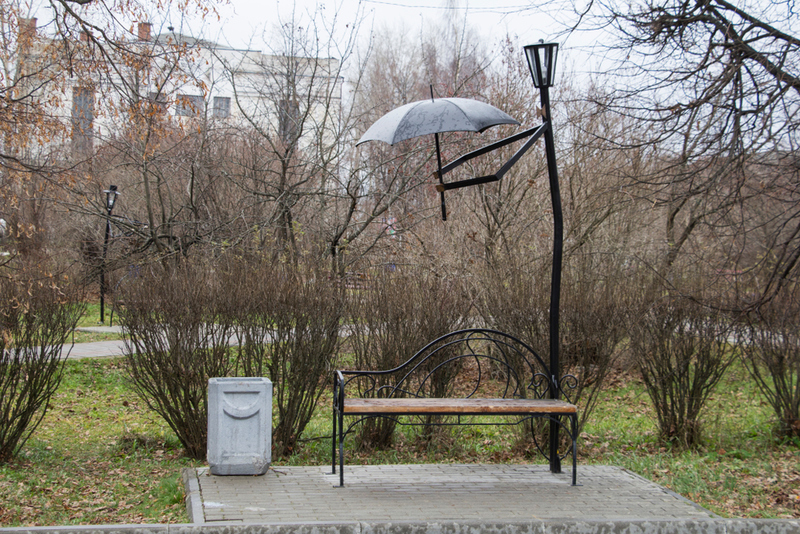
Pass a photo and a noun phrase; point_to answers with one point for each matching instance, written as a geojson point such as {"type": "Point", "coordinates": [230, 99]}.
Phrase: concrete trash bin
{"type": "Point", "coordinates": [239, 426]}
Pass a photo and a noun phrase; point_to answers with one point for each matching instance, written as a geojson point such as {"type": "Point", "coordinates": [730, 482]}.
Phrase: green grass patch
{"type": "Point", "coordinates": [100, 456]}
{"type": "Point", "coordinates": [91, 317]}
{"type": "Point", "coordinates": [741, 468]}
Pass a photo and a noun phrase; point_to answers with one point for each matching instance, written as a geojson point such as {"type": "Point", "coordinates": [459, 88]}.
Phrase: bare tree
{"type": "Point", "coordinates": [85, 80]}
{"type": "Point", "coordinates": [316, 193]}
{"type": "Point", "coordinates": [715, 89]}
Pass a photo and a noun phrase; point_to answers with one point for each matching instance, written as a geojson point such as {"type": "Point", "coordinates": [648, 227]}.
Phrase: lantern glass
{"type": "Point", "coordinates": [542, 63]}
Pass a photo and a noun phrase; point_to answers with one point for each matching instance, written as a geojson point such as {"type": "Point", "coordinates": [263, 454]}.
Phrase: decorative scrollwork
{"type": "Point", "coordinates": [570, 382]}
{"type": "Point", "coordinates": [540, 385]}
{"type": "Point", "coordinates": [544, 450]}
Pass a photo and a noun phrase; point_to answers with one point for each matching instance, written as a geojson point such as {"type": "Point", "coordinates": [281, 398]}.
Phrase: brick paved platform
{"type": "Point", "coordinates": [437, 492]}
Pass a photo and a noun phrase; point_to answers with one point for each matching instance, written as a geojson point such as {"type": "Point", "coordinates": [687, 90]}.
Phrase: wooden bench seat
{"type": "Point", "coordinates": [427, 406]}
{"type": "Point", "coordinates": [521, 386]}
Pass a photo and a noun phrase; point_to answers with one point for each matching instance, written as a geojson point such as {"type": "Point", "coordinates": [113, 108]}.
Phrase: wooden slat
{"type": "Point", "coordinates": [414, 406]}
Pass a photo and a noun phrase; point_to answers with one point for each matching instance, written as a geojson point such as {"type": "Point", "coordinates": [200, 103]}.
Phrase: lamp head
{"type": "Point", "coordinates": [542, 62]}
{"type": "Point", "coordinates": [111, 196]}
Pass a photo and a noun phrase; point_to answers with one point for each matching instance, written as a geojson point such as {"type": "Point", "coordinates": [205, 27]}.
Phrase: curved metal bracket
{"type": "Point", "coordinates": [533, 133]}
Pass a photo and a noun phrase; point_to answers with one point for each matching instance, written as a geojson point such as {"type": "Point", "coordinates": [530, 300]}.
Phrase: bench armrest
{"type": "Point", "coordinates": [338, 390]}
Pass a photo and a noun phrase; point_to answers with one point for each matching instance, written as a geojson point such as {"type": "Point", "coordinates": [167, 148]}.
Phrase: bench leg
{"type": "Point", "coordinates": [555, 459]}
{"type": "Point", "coordinates": [333, 441]}
{"type": "Point", "coordinates": [574, 435]}
{"type": "Point", "coordinates": [341, 449]}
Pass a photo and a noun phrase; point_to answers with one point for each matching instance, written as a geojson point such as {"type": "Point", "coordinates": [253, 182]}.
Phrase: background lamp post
{"type": "Point", "coordinates": [111, 199]}
{"type": "Point", "coordinates": [542, 63]}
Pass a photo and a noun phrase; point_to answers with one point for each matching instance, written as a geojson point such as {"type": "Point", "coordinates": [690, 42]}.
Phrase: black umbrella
{"type": "Point", "coordinates": [433, 116]}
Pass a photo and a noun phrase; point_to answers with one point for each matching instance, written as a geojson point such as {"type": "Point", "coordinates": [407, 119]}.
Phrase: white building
{"type": "Point", "coordinates": [186, 79]}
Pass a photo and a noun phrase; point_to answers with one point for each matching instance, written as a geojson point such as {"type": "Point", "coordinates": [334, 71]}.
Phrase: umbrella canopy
{"type": "Point", "coordinates": [434, 116]}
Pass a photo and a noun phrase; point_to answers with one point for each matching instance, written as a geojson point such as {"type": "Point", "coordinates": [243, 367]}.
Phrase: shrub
{"type": "Point", "coordinates": [37, 314]}
{"type": "Point", "coordinates": [771, 353]}
{"type": "Point", "coordinates": [595, 300]}
{"type": "Point", "coordinates": [682, 351]}
{"type": "Point", "coordinates": [592, 312]}
{"type": "Point", "coordinates": [390, 320]}
{"type": "Point", "coordinates": [288, 329]}
{"type": "Point", "coordinates": [179, 321]}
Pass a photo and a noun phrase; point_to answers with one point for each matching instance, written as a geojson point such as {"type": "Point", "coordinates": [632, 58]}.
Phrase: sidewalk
{"type": "Point", "coordinates": [97, 349]}
{"type": "Point", "coordinates": [432, 492]}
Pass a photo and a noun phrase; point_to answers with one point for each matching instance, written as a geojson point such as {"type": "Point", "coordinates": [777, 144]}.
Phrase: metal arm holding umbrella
{"type": "Point", "coordinates": [533, 133]}
{"type": "Point", "coordinates": [458, 114]}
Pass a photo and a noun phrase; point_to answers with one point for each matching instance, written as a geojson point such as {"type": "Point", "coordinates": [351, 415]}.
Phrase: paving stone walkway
{"type": "Point", "coordinates": [433, 492]}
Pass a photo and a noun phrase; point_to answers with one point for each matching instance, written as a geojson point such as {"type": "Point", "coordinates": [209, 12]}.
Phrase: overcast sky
{"type": "Point", "coordinates": [245, 17]}
{"type": "Point", "coordinates": [243, 21]}
{"type": "Point", "coordinates": [249, 23]}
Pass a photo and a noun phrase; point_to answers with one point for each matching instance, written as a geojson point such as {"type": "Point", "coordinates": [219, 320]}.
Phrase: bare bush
{"type": "Point", "coordinates": [682, 351]}
{"type": "Point", "coordinates": [179, 321]}
{"type": "Point", "coordinates": [593, 309]}
{"type": "Point", "coordinates": [288, 327]}
{"type": "Point", "coordinates": [390, 320]}
{"type": "Point", "coordinates": [771, 353]}
{"type": "Point", "coordinates": [37, 314]}
{"type": "Point", "coordinates": [517, 301]}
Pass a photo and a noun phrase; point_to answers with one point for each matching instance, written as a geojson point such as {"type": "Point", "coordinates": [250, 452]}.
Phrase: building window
{"type": "Point", "coordinates": [288, 117]}
{"type": "Point", "coordinates": [82, 119]}
{"type": "Point", "coordinates": [189, 105]}
{"type": "Point", "coordinates": [222, 107]}
{"type": "Point", "coordinates": [158, 101]}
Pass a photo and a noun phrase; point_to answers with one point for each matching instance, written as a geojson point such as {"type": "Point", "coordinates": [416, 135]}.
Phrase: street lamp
{"type": "Point", "coordinates": [542, 64]}
{"type": "Point", "coordinates": [111, 199]}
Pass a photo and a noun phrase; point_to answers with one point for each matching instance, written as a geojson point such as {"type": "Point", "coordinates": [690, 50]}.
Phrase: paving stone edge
{"type": "Point", "coordinates": [670, 492]}
{"type": "Point", "coordinates": [588, 526]}
{"type": "Point", "coordinates": [193, 499]}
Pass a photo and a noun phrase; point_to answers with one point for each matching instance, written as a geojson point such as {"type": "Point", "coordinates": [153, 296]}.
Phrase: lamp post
{"type": "Point", "coordinates": [542, 63]}
{"type": "Point", "coordinates": [111, 199]}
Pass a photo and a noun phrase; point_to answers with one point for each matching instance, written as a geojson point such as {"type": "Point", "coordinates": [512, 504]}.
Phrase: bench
{"type": "Point", "coordinates": [473, 372]}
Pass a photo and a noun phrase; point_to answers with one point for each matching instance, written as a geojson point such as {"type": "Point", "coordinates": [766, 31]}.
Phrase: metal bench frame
{"type": "Point", "coordinates": [528, 389]}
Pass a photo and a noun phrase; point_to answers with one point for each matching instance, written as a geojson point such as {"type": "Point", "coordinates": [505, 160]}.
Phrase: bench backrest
{"type": "Point", "coordinates": [467, 363]}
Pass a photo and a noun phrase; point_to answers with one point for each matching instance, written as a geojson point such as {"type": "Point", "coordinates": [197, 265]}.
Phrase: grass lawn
{"type": "Point", "coordinates": [91, 317]}
{"type": "Point", "coordinates": [742, 469]}
{"type": "Point", "coordinates": [101, 456]}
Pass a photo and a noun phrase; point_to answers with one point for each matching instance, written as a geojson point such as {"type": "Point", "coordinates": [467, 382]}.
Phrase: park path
{"type": "Point", "coordinates": [102, 349]}
{"type": "Point", "coordinates": [95, 349]}
{"type": "Point", "coordinates": [113, 349]}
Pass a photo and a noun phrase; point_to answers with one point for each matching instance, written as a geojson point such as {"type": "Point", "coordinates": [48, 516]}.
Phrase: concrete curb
{"type": "Point", "coordinates": [708, 526]}
{"type": "Point", "coordinates": [193, 499]}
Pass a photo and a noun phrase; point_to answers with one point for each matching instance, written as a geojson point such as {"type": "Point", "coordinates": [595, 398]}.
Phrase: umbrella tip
{"type": "Point", "coordinates": [431, 86]}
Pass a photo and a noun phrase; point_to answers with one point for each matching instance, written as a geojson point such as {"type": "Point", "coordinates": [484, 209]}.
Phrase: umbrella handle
{"type": "Point", "coordinates": [441, 180]}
